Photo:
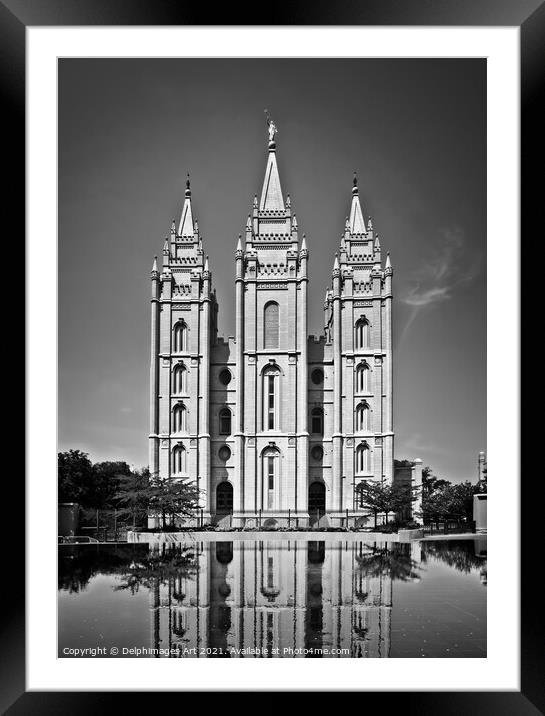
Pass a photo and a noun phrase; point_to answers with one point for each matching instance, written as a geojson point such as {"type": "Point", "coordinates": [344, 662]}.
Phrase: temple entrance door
{"type": "Point", "coordinates": [316, 501]}
{"type": "Point", "coordinates": [224, 501]}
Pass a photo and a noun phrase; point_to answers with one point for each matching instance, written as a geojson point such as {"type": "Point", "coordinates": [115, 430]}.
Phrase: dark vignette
{"type": "Point", "coordinates": [444, 12]}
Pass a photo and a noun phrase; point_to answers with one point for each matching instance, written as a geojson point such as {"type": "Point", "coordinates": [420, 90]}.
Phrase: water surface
{"type": "Point", "coordinates": [268, 599]}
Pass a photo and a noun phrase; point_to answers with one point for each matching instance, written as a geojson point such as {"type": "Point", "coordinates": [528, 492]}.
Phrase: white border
{"type": "Point", "coordinates": [500, 670]}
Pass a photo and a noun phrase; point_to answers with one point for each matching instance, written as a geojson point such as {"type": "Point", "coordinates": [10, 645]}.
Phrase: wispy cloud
{"type": "Point", "coordinates": [449, 266]}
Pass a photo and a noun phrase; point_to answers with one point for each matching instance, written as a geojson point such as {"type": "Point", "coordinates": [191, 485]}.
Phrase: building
{"type": "Point", "coordinates": [276, 426]}
{"type": "Point", "coordinates": [480, 500]}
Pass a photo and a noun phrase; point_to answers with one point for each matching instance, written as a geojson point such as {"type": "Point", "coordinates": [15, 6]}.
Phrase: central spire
{"type": "Point", "coordinates": [186, 222]}
{"type": "Point", "coordinates": [357, 224]}
{"type": "Point", "coordinates": [271, 194]}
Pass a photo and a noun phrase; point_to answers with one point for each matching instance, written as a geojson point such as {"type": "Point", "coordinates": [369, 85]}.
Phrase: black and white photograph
{"type": "Point", "coordinates": [272, 431]}
{"type": "Point", "coordinates": [272, 307]}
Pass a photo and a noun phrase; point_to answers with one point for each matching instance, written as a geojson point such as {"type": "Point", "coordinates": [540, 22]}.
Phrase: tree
{"type": "Point", "coordinates": [169, 498]}
{"type": "Point", "coordinates": [75, 477]}
{"type": "Point", "coordinates": [403, 463]}
{"type": "Point", "coordinates": [430, 483]}
{"type": "Point", "coordinates": [449, 502]}
{"type": "Point", "coordinates": [132, 496]}
{"type": "Point", "coordinates": [385, 499]}
{"type": "Point", "coordinates": [107, 478]}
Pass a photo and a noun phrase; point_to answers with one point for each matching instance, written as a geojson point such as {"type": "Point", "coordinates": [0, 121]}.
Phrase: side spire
{"type": "Point", "coordinates": [356, 222]}
{"type": "Point", "coordinates": [187, 227]}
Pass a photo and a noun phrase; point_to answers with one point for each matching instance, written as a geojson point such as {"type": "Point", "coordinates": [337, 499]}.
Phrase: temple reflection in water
{"type": "Point", "coordinates": [287, 599]}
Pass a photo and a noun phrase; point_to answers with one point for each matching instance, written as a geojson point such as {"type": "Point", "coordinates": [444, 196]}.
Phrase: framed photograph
{"type": "Point", "coordinates": [272, 290]}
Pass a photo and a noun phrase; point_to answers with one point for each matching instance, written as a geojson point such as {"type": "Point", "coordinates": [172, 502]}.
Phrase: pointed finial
{"type": "Point", "coordinates": [294, 222]}
{"type": "Point", "coordinates": [304, 243]}
{"type": "Point", "coordinates": [173, 227]}
{"type": "Point", "coordinates": [255, 201]}
{"type": "Point", "coordinates": [377, 244]}
{"type": "Point", "coordinates": [154, 268]}
{"type": "Point", "coordinates": [347, 223]}
{"type": "Point", "coordinates": [288, 200]}
{"type": "Point", "coordinates": [388, 262]}
{"type": "Point", "coordinates": [165, 246]}
{"type": "Point", "coordinates": [206, 264]}
{"type": "Point", "coordinates": [336, 263]}
{"type": "Point", "coordinates": [355, 184]}
{"type": "Point", "coordinates": [187, 186]}
{"type": "Point", "coordinates": [369, 222]}
{"type": "Point", "coordinates": [249, 222]}
{"type": "Point", "coordinates": [239, 243]}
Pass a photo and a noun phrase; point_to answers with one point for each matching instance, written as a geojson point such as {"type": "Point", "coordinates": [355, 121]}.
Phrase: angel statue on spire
{"type": "Point", "coordinates": [272, 126]}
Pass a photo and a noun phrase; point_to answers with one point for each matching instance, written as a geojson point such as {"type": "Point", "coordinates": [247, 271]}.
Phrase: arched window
{"type": "Point", "coordinates": [271, 378]}
{"type": "Point", "coordinates": [270, 477]}
{"type": "Point", "coordinates": [180, 336]}
{"type": "Point", "coordinates": [362, 417]}
{"type": "Point", "coordinates": [179, 463]}
{"type": "Point", "coordinates": [363, 461]}
{"type": "Point", "coordinates": [362, 333]}
{"type": "Point", "coordinates": [362, 378]}
{"type": "Point", "coordinates": [225, 421]}
{"type": "Point", "coordinates": [179, 419]}
{"type": "Point", "coordinates": [270, 325]}
{"type": "Point", "coordinates": [317, 421]}
{"type": "Point", "coordinates": [179, 379]}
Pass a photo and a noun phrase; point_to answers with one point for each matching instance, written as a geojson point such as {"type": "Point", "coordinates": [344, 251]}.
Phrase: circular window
{"type": "Point", "coordinates": [317, 376]}
{"type": "Point", "coordinates": [224, 453]}
{"type": "Point", "coordinates": [317, 452]}
{"type": "Point", "coordinates": [225, 377]}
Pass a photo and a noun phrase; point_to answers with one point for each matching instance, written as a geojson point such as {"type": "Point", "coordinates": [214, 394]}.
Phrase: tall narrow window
{"type": "Point", "coordinates": [179, 465]}
{"type": "Point", "coordinates": [362, 378]}
{"type": "Point", "coordinates": [317, 421]}
{"type": "Point", "coordinates": [225, 421]}
{"type": "Point", "coordinates": [270, 402]}
{"type": "Point", "coordinates": [271, 377]}
{"type": "Point", "coordinates": [270, 325]}
{"type": "Point", "coordinates": [179, 419]}
{"type": "Point", "coordinates": [362, 458]}
{"type": "Point", "coordinates": [270, 473]}
{"type": "Point", "coordinates": [270, 477]}
{"type": "Point", "coordinates": [179, 379]}
{"type": "Point", "coordinates": [362, 333]}
{"type": "Point", "coordinates": [362, 417]}
{"type": "Point", "coordinates": [180, 337]}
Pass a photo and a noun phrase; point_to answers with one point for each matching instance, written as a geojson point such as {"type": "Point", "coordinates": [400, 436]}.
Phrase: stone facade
{"type": "Point", "coordinates": [275, 426]}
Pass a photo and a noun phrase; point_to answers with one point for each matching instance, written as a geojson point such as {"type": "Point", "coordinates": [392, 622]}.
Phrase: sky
{"type": "Point", "coordinates": [413, 129]}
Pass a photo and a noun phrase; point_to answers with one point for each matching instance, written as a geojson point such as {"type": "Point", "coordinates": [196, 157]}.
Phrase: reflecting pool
{"type": "Point", "coordinates": [274, 598]}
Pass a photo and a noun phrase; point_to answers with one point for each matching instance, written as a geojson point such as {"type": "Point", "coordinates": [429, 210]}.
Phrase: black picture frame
{"type": "Point", "coordinates": [15, 17]}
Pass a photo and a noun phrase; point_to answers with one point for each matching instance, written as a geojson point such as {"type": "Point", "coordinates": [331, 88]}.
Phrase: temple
{"type": "Point", "coordinates": [276, 427]}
